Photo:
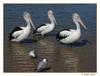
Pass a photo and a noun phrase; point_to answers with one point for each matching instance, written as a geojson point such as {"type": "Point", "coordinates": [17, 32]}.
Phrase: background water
{"type": "Point", "coordinates": [81, 57]}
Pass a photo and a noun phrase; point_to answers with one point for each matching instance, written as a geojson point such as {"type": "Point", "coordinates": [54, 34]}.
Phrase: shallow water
{"type": "Point", "coordinates": [81, 57]}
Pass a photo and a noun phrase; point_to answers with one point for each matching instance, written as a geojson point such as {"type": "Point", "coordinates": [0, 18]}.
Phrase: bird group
{"type": "Point", "coordinates": [67, 36]}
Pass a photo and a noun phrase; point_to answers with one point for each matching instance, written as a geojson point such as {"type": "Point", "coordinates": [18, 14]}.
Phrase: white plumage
{"type": "Point", "coordinates": [41, 29]}
{"type": "Point", "coordinates": [32, 54]}
{"type": "Point", "coordinates": [47, 27]}
{"type": "Point", "coordinates": [21, 33]}
{"type": "Point", "coordinates": [71, 35]}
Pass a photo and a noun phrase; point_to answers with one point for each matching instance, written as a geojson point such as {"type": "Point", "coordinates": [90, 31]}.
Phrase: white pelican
{"type": "Point", "coordinates": [71, 35]}
{"type": "Point", "coordinates": [21, 33]}
{"type": "Point", "coordinates": [47, 27]}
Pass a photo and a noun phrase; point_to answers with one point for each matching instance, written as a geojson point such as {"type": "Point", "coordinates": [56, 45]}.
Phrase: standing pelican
{"type": "Point", "coordinates": [21, 33]}
{"type": "Point", "coordinates": [47, 27]}
{"type": "Point", "coordinates": [71, 35]}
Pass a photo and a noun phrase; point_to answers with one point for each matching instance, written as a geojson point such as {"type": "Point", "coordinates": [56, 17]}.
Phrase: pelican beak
{"type": "Point", "coordinates": [81, 22]}
{"type": "Point", "coordinates": [54, 19]}
{"type": "Point", "coordinates": [31, 22]}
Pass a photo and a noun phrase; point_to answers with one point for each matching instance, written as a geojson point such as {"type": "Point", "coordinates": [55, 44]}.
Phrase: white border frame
{"type": "Point", "coordinates": [50, 2]}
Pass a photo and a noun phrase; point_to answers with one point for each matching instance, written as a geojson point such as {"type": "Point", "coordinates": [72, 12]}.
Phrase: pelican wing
{"type": "Point", "coordinates": [23, 28]}
{"type": "Point", "coordinates": [17, 33]}
{"type": "Point", "coordinates": [72, 30]}
{"type": "Point", "coordinates": [13, 34]}
{"type": "Point", "coordinates": [42, 27]}
{"type": "Point", "coordinates": [65, 33]}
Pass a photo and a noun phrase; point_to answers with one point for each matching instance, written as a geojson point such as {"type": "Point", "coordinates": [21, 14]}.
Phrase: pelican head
{"type": "Point", "coordinates": [51, 16]}
{"type": "Point", "coordinates": [76, 18]}
{"type": "Point", "coordinates": [28, 18]}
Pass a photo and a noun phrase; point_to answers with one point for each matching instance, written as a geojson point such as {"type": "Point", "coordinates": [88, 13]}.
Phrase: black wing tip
{"type": "Point", "coordinates": [34, 31]}
{"type": "Point", "coordinates": [10, 37]}
{"type": "Point", "coordinates": [40, 26]}
{"type": "Point", "coordinates": [57, 36]}
{"type": "Point", "coordinates": [17, 28]}
{"type": "Point", "coordinates": [60, 37]}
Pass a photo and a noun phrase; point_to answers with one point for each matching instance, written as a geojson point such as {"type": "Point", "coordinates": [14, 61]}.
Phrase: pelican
{"type": "Point", "coordinates": [21, 33]}
{"type": "Point", "coordinates": [69, 36]}
{"type": "Point", "coordinates": [47, 27]}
